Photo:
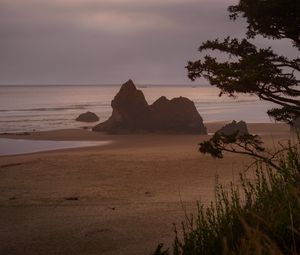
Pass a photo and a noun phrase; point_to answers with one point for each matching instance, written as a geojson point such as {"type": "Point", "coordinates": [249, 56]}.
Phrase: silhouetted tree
{"type": "Point", "coordinates": [262, 72]}
{"type": "Point", "coordinates": [253, 70]}
{"type": "Point", "coordinates": [275, 19]}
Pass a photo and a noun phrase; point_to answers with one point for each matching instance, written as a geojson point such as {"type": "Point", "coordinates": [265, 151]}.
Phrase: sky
{"type": "Point", "coordinates": [109, 41]}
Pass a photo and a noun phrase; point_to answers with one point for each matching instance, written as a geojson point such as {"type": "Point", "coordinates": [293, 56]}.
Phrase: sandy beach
{"type": "Point", "coordinates": [121, 198]}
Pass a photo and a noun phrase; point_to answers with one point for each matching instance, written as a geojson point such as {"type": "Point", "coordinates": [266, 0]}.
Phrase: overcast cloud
{"type": "Point", "coordinates": [108, 41]}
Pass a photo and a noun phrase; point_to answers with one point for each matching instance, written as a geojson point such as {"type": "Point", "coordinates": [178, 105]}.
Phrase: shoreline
{"type": "Point", "coordinates": [124, 140]}
{"type": "Point", "coordinates": [83, 133]}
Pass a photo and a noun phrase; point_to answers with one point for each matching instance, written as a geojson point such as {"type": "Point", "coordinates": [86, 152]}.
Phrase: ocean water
{"type": "Point", "coordinates": [29, 108]}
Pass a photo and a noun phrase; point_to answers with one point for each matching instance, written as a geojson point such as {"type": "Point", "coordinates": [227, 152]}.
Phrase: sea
{"type": "Point", "coordinates": [51, 107]}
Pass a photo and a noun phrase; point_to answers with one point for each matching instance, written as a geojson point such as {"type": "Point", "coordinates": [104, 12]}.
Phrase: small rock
{"type": "Point", "coordinates": [10, 165]}
{"type": "Point", "coordinates": [87, 117]}
{"type": "Point", "coordinates": [149, 194]}
{"type": "Point", "coordinates": [72, 198]}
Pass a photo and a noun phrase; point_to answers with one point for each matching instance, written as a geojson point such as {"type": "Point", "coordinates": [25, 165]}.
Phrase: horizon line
{"type": "Point", "coordinates": [104, 84]}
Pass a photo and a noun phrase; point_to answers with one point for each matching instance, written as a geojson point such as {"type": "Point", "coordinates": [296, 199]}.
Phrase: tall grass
{"type": "Point", "coordinates": [260, 216]}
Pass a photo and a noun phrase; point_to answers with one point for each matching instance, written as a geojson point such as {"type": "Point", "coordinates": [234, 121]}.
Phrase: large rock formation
{"type": "Point", "coordinates": [132, 114]}
{"type": "Point", "coordinates": [87, 117]}
{"type": "Point", "coordinates": [130, 111]}
{"type": "Point", "coordinates": [233, 127]}
{"type": "Point", "coordinates": [178, 115]}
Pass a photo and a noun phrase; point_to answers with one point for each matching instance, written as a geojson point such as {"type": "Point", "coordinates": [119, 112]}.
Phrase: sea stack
{"type": "Point", "coordinates": [132, 114]}
{"type": "Point", "coordinates": [87, 117]}
{"type": "Point", "coordinates": [233, 127]}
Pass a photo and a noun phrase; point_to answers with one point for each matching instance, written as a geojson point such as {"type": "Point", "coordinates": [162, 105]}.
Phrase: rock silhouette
{"type": "Point", "coordinates": [87, 117]}
{"type": "Point", "coordinates": [132, 114]}
{"type": "Point", "coordinates": [231, 128]}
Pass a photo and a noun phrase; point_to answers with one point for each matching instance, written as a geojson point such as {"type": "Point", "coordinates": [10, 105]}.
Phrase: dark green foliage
{"type": "Point", "coordinates": [258, 217]}
{"type": "Point", "coordinates": [270, 18]}
{"type": "Point", "coordinates": [251, 70]}
{"type": "Point", "coordinates": [247, 144]}
{"type": "Point", "coordinates": [219, 143]}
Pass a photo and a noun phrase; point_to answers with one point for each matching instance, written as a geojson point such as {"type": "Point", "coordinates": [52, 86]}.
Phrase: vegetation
{"type": "Point", "coordinates": [278, 19]}
{"type": "Point", "coordinates": [247, 144]}
{"type": "Point", "coordinates": [251, 70]}
{"type": "Point", "coordinates": [258, 217]}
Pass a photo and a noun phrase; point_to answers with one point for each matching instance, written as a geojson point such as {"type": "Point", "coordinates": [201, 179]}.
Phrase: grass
{"type": "Point", "coordinates": [260, 216]}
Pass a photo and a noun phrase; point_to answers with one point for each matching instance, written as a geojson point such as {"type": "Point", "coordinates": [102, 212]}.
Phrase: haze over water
{"type": "Point", "coordinates": [28, 108]}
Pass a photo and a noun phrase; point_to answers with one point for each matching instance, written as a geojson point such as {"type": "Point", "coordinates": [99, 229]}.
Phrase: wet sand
{"type": "Point", "coordinates": [116, 199]}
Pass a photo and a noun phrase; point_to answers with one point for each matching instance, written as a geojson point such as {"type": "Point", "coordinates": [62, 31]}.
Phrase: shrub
{"type": "Point", "coordinates": [260, 216]}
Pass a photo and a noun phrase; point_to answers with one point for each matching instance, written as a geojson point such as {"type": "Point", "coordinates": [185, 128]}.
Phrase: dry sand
{"type": "Point", "coordinates": [117, 199]}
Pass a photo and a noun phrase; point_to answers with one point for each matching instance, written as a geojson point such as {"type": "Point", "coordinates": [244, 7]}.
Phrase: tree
{"type": "Point", "coordinates": [262, 72]}
{"type": "Point", "coordinates": [270, 18]}
{"type": "Point", "coordinates": [252, 70]}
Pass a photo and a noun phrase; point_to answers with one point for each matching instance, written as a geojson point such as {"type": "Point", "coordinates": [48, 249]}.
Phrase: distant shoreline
{"type": "Point", "coordinates": [141, 85]}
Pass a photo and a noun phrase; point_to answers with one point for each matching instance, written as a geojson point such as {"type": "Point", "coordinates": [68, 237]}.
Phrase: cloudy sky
{"type": "Point", "coordinates": [108, 41]}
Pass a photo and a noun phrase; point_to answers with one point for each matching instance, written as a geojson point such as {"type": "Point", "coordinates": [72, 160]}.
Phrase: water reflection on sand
{"type": "Point", "coordinates": [21, 146]}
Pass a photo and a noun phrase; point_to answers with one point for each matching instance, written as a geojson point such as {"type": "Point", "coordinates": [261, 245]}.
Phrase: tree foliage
{"type": "Point", "coordinates": [246, 144]}
{"type": "Point", "coordinates": [252, 70]}
{"type": "Point", "coordinates": [275, 19]}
